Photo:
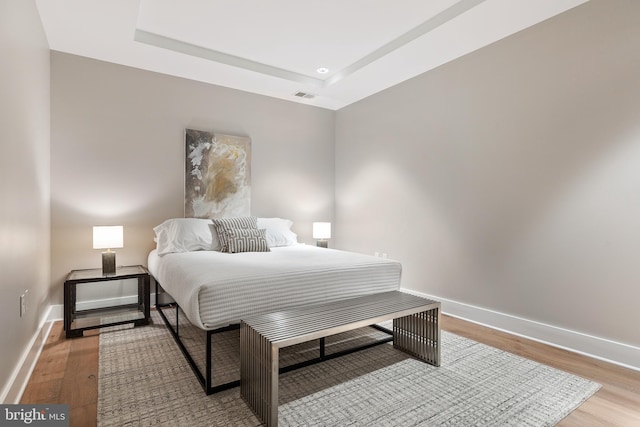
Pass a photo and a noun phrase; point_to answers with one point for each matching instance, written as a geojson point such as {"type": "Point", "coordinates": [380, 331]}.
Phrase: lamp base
{"type": "Point", "coordinates": [322, 244]}
{"type": "Point", "coordinates": [108, 263]}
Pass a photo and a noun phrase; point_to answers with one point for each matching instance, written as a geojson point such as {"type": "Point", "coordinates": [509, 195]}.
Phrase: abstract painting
{"type": "Point", "coordinates": [217, 175]}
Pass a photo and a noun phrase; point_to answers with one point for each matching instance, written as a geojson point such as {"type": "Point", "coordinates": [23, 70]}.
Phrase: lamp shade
{"type": "Point", "coordinates": [321, 230]}
{"type": "Point", "coordinates": [108, 237]}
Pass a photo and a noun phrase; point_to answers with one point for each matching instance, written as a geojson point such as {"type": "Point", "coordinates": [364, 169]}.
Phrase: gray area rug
{"type": "Point", "coordinates": [145, 381]}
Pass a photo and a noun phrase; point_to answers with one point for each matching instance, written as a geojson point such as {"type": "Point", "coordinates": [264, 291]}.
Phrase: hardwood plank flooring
{"type": "Point", "coordinates": [67, 372]}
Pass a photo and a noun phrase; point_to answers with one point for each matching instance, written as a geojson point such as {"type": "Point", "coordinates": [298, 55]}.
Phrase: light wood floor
{"type": "Point", "coordinates": [67, 372]}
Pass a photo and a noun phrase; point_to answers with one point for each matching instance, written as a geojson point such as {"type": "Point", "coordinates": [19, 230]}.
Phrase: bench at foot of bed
{"type": "Point", "coordinates": [416, 331]}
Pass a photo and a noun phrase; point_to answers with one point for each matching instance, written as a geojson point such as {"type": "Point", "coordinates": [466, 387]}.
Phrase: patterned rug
{"type": "Point", "coordinates": [145, 381]}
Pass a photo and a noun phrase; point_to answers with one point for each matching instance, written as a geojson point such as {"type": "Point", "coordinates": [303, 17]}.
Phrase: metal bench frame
{"type": "Point", "coordinates": [416, 331]}
{"type": "Point", "coordinates": [206, 378]}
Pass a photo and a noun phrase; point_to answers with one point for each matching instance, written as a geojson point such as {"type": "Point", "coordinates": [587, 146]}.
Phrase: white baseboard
{"type": "Point", "coordinates": [56, 311]}
{"type": "Point", "coordinates": [12, 392]}
{"type": "Point", "coordinates": [106, 302]}
{"type": "Point", "coordinates": [599, 348]}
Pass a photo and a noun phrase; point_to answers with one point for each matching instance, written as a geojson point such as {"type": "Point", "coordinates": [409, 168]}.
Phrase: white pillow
{"type": "Point", "coordinates": [186, 235]}
{"type": "Point", "coordinates": [278, 231]}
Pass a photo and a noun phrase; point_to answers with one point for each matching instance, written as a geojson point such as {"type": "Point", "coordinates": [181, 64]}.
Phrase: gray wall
{"type": "Point", "coordinates": [509, 179]}
{"type": "Point", "coordinates": [117, 156]}
{"type": "Point", "coordinates": [24, 178]}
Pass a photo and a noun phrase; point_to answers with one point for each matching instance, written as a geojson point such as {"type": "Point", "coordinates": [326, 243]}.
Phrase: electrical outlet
{"type": "Point", "coordinates": [24, 305]}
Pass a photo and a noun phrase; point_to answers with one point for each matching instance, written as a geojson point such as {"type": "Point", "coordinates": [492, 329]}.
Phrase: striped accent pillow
{"type": "Point", "coordinates": [247, 240]}
{"type": "Point", "coordinates": [224, 224]}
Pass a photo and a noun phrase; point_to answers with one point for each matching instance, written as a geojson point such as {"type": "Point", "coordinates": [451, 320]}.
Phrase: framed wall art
{"type": "Point", "coordinates": [217, 175]}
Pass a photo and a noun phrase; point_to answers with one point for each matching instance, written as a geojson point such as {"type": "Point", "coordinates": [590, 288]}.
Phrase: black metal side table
{"type": "Point", "coordinates": [77, 321]}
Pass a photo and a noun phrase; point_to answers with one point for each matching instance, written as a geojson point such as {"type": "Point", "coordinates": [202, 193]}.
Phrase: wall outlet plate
{"type": "Point", "coordinates": [24, 303]}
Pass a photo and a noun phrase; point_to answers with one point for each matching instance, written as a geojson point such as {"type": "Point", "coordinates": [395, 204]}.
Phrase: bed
{"type": "Point", "coordinates": [215, 289]}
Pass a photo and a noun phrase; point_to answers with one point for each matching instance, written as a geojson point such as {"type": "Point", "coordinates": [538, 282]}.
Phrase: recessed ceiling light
{"type": "Point", "coordinates": [322, 70]}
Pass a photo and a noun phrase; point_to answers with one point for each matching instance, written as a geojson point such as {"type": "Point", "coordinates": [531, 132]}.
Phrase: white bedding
{"type": "Point", "coordinates": [217, 289]}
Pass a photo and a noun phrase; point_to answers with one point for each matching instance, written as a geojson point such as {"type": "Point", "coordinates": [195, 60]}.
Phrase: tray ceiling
{"type": "Point", "coordinates": [278, 48]}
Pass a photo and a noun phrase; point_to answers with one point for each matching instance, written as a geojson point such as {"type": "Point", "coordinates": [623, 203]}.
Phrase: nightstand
{"type": "Point", "coordinates": [77, 321]}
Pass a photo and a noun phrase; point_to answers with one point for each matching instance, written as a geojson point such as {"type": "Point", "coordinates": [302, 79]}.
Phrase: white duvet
{"type": "Point", "coordinates": [217, 289]}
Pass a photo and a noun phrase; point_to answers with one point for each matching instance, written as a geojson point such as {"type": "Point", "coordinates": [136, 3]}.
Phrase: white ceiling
{"type": "Point", "coordinates": [275, 47]}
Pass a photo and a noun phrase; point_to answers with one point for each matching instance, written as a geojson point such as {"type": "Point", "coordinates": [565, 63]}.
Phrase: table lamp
{"type": "Point", "coordinates": [322, 232]}
{"type": "Point", "coordinates": [108, 237]}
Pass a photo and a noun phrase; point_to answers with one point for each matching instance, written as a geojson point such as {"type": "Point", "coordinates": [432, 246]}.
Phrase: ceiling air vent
{"type": "Point", "coordinates": [304, 95]}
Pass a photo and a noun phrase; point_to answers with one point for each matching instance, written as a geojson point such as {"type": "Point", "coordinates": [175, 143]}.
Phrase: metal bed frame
{"type": "Point", "coordinates": [206, 378]}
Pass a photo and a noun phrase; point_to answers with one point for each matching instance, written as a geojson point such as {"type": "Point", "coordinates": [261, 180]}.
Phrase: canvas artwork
{"type": "Point", "coordinates": [217, 175]}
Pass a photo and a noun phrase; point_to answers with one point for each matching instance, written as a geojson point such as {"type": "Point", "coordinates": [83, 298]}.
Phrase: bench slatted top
{"type": "Point", "coordinates": [305, 323]}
